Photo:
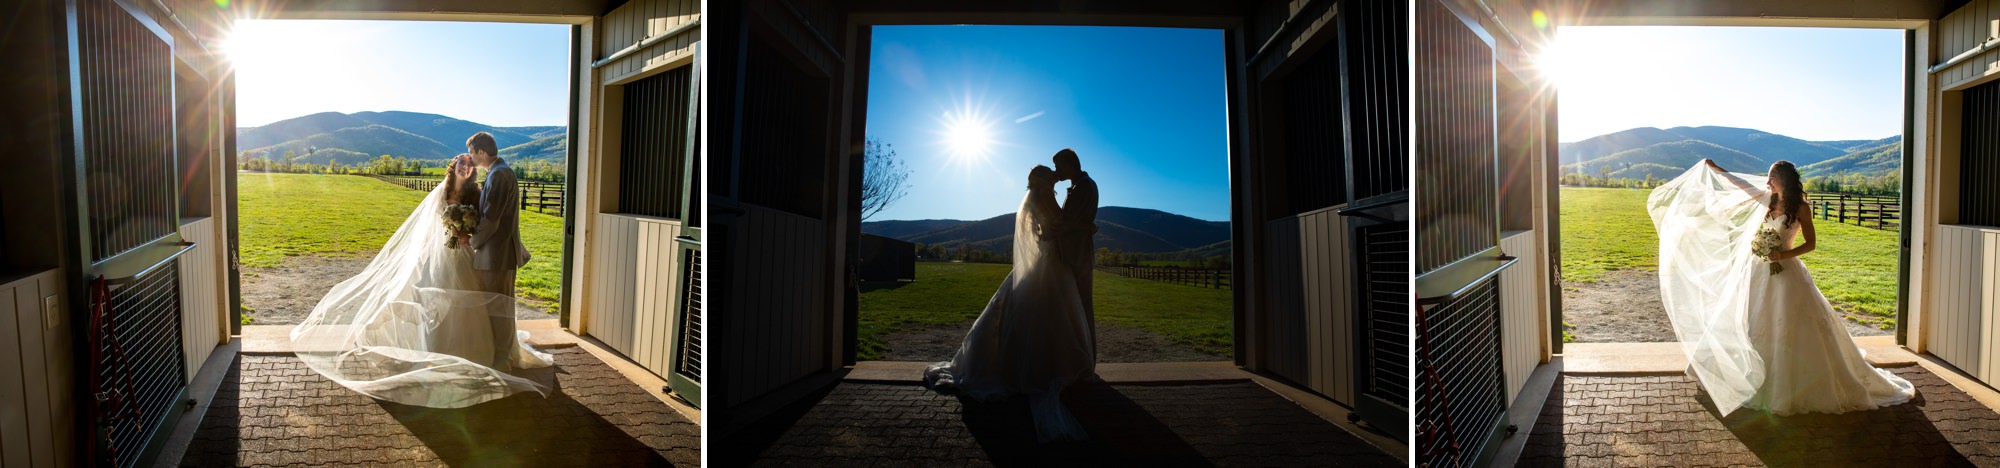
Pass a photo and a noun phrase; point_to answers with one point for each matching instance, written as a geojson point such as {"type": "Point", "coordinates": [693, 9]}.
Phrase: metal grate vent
{"type": "Point", "coordinates": [1462, 395]}
{"type": "Point", "coordinates": [653, 144]}
{"type": "Point", "coordinates": [691, 310]}
{"type": "Point", "coordinates": [1385, 249]}
{"type": "Point", "coordinates": [127, 129]}
{"type": "Point", "coordinates": [146, 318]}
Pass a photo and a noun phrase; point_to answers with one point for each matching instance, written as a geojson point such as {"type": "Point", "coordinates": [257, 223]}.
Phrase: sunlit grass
{"type": "Point", "coordinates": [1606, 229]}
{"type": "Point", "coordinates": [953, 294]}
{"type": "Point", "coordinates": [290, 215]}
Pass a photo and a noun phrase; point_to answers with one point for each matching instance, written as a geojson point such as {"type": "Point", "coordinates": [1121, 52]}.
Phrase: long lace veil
{"type": "Point", "coordinates": [389, 331]}
{"type": "Point", "coordinates": [1706, 223]}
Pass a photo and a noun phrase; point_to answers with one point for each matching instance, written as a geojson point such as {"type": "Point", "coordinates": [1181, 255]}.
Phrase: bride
{"type": "Point", "coordinates": [414, 327]}
{"type": "Point", "coordinates": [1757, 332]}
{"type": "Point", "coordinates": [1033, 338]}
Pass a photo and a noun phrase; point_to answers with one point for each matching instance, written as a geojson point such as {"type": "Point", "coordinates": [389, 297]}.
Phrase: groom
{"type": "Point", "coordinates": [1079, 215]}
{"type": "Point", "coordinates": [496, 243]}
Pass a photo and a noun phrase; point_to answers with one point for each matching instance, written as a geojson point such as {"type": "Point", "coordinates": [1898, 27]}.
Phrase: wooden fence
{"type": "Point", "coordinates": [1870, 211]}
{"type": "Point", "coordinates": [1183, 276]}
{"type": "Point", "coordinates": [539, 196]}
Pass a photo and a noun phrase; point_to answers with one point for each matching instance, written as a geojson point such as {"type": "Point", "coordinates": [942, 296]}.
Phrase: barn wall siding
{"type": "Point", "coordinates": [1963, 325]}
{"type": "Point", "coordinates": [35, 366]}
{"type": "Point", "coordinates": [1522, 312]}
{"type": "Point", "coordinates": [1312, 303]}
{"type": "Point", "coordinates": [783, 316]}
{"type": "Point", "coordinates": [202, 306]}
{"type": "Point", "coordinates": [634, 287]}
{"type": "Point", "coordinates": [638, 20]}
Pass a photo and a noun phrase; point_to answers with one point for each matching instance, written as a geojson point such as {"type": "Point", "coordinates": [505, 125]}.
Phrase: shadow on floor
{"type": "Point", "coordinates": [273, 410]}
{"type": "Point", "coordinates": [1225, 423]}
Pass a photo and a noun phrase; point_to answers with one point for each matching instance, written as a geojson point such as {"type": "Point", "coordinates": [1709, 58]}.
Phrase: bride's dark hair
{"type": "Point", "coordinates": [1042, 177]}
{"type": "Point", "coordinates": [458, 191]}
{"type": "Point", "coordinates": [1790, 195]}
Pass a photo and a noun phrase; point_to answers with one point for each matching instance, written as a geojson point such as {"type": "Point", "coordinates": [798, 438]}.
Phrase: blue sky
{"type": "Point", "coordinates": [1808, 83]}
{"type": "Point", "coordinates": [492, 73]}
{"type": "Point", "coordinates": [971, 109]}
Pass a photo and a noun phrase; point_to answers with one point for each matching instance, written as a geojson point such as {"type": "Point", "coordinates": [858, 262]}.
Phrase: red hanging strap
{"type": "Point", "coordinates": [104, 342]}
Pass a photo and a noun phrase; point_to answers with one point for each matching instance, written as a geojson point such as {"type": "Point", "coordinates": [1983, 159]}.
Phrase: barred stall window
{"type": "Point", "coordinates": [1979, 157]}
{"type": "Point", "coordinates": [784, 133]}
{"type": "Point", "coordinates": [654, 144]}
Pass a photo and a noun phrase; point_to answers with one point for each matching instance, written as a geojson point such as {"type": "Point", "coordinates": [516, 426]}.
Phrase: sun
{"type": "Point", "coordinates": [967, 135]}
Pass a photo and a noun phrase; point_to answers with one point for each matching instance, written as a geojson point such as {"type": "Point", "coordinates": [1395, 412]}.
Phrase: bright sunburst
{"type": "Point", "coordinates": [968, 136]}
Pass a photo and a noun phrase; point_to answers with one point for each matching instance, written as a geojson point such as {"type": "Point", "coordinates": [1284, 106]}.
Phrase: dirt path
{"type": "Point", "coordinates": [1624, 307]}
{"type": "Point", "coordinates": [1115, 344]}
{"type": "Point", "coordinates": [283, 295]}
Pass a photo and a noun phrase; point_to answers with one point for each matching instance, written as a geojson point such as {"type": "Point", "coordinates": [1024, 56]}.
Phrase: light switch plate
{"type": "Point", "coordinates": [51, 314]}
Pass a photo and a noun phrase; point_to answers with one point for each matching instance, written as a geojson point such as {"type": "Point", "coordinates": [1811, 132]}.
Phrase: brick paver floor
{"type": "Point", "coordinates": [1224, 424]}
{"type": "Point", "coordinates": [273, 410]}
{"type": "Point", "coordinates": [1658, 421]}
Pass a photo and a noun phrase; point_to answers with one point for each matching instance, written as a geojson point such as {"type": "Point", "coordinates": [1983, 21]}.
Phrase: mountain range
{"type": "Point", "coordinates": [1118, 228]}
{"type": "Point", "coordinates": [1665, 153]}
{"type": "Point", "coordinates": [351, 138]}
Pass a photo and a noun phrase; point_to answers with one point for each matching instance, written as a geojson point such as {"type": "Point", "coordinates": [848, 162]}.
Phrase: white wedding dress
{"type": "Point", "coordinates": [1033, 338]}
{"type": "Point", "coordinates": [1755, 339]}
{"type": "Point", "coordinates": [413, 327]}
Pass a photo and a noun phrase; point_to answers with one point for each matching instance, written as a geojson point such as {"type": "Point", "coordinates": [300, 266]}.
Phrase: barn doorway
{"type": "Point", "coordinates": [1745, 107]}
{"type": "Point", "coordinates": [957, 117]}
{"type": "Point", "coordinates": [344, 125]}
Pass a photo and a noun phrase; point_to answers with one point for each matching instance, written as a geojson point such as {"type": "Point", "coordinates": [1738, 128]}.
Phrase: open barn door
{"type": "Point", "coordinates": [123, 120]}
{"type": "Point", "coordinates": [684, 373]}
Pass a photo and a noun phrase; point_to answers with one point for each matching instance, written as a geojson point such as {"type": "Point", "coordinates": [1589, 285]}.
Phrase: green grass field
{"type": "Point", "coordinates": [287, 215]}
{"type": "Point", "coordinates": [952, 294]}
{"type": "Point", "coordinates": [1605, 229]}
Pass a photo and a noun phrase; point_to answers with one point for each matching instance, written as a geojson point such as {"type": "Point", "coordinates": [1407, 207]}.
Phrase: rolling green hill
{"type": "Point", "coordinates": [1610, 143]}
{"type": "Point", "coordinates": [1766, 146]}
{"type": "Point", "coordinates": [1874, 161]}
{"type": "Point", "coordinates": [318, 138]}
{"type": "Point", "coordinates": [1118, 228]}
{"type": "Point", "coordinates": [1672, 157]}
{"type": "Point", "coordinates": [551, 148]}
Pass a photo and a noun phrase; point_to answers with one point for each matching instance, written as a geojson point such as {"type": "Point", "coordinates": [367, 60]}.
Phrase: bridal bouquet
{"type": "Point", "coordinates": [458, 220]}
{"type": "Point", "coordinates": [1764, 244]}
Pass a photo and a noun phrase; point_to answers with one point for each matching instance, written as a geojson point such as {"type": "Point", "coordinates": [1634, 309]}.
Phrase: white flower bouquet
{"type": "Point", "coordinates": [459, 220]}
{"type": "Point", "coordinates": [1764, 244]}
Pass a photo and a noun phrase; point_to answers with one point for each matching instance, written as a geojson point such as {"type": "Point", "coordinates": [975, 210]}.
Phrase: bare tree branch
{"type": "Point", "coordinates": [884, 178]}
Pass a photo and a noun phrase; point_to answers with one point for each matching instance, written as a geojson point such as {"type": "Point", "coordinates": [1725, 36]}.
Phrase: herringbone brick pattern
{"type": "Point", "coordinates": [1661, 421]}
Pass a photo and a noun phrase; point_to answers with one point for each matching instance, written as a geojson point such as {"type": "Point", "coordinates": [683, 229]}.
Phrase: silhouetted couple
{"type": "Point", "coordinates": [1037, 335]}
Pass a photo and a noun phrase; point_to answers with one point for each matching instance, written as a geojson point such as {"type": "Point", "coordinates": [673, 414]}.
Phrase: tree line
{"type": "Point", "coordinates": [540, 171]}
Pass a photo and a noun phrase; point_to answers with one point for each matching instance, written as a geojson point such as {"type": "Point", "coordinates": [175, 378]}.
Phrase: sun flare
{"type": "Point", "coordinates": [968, 136]}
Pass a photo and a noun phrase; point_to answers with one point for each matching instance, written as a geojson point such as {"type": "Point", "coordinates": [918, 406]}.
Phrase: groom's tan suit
{"type": "Point", "coordinates": [497, 251]}
{"type": "Point", "coordinates": [1079, 216]}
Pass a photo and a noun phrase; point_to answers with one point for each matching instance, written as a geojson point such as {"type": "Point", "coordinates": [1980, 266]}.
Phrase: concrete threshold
{"type": "Point", "coordinates": [1635, 359]}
